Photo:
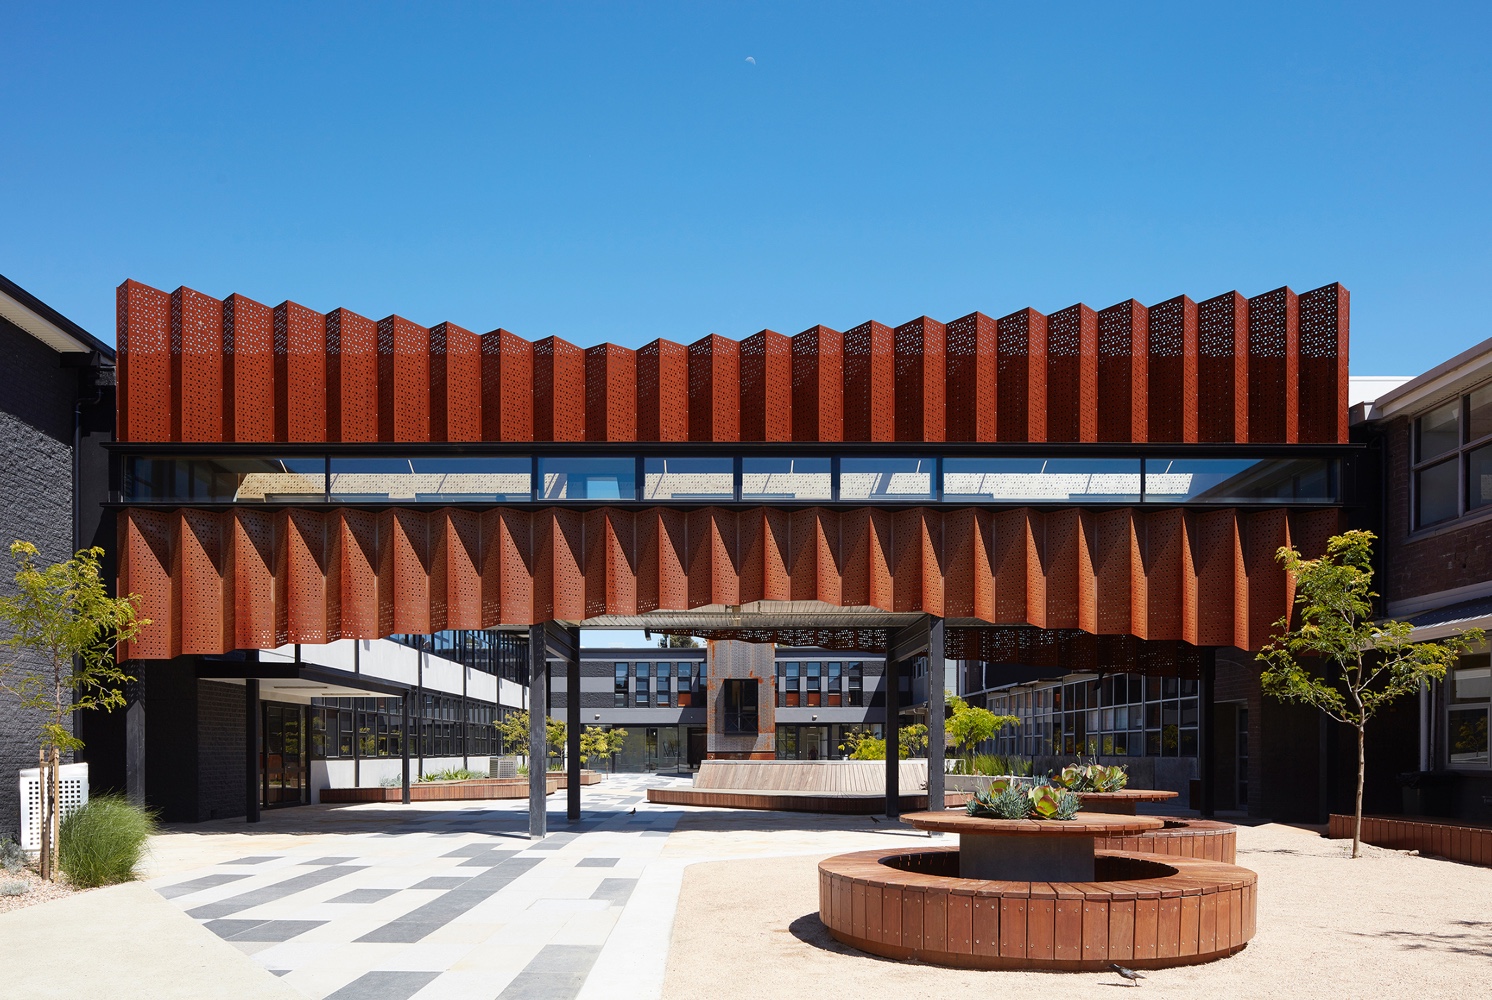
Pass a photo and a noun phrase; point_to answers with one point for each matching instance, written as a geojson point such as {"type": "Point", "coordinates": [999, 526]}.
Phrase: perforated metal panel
{"type": "Point", "coordinates": [72, 795]}
{"type": "Point", "coordinates": [869, 383]}
{"type": "Point", "coordinates": [1222, 368]}
{"type": "Point", "coordinates": [818, 385]}
{"type": "Point", "coordinates": [1173, 370]}
{"type": "Point", "coordinates": [767, 387]}
{"type": "Point", "coordinates": [1072, 375]}
{"type": "Point", "coordinates": [455, 384]}
{"type": "Point", "coordinates": [714, 389]}
{"type": "Point", "coordinates": [970, 343]}
{"type": "Point", "coordinates": [1123, 372]}
{"type": "Point", "coordinates": [921, 374]}
{"type": "Point", "coordinates": [610, 393]}
{"type": "Point", "coordinates": [1323, 364]}
{"type": "Point", "coordinates": [1021, 370]}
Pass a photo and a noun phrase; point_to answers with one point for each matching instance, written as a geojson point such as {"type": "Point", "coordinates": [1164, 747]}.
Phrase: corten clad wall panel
{"type": "Point", "coordinates": [921, 379]}
{"type": "Point", "coordinates": [1072, 375]}
{"type": "Point", "coordinates": [559, 391]}
{"type": "Point", "coordinates": [714, 389]}
{"type": "Point", "coordinates": [1021, 370]}
{"type": "Point", "coordinates": [1323, 364]}
{"type": "Point", "coordinates": [354, 401]}
{"type": "Point", "coordinates": [254, 383]}
{"type": "Point", "coordinates": [818, 385]}
{"type": "Point", "coordinates": [610, 393]}
{"type": "Point", "coordinates": [145, 401]}
{"type": "Point", "coordinates": [869, 383]}
{"type": "Point", "coordinates": [258, 579]}
{"type": "Point", "coordinates": [1274, 366]}
{"type": "Point", "coordinates": [1173, 370]}
{"type": "Point", "coordinates": [1229, 370]}
{"type": "Point", "coordinates": [663, 392]}
{"type": "Point", "coordinates": [1123, 372]}
{"type": "Point", "coordinates": [304, 356]}
{"type": "Point", "coordinates": [197, 369]}
{"type": "Point", "coordinates": [971, 359]}
{"type": "Point", "coordinates": [1222, 368]}
{"type": "Point", "coordinates": [767, 387]}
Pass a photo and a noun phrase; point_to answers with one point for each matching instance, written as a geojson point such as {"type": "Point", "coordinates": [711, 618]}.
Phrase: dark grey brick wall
{"type": "Point", "coordinates": [36, 400]}
{"type": "Point", "coordinates": [220, 750]}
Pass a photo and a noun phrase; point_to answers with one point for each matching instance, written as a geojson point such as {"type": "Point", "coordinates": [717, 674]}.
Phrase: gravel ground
{"type": "Point", "coordinates": [1386, 924]}
{"type": "Point", "coordinates": [37, 891]}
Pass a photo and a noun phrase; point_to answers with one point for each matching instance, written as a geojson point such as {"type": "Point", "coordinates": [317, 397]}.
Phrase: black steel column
{"type": "Point", "coordinates": [892, 732]}
{"type": "Point", "coordinates": [936, 683]}
{"type": "Point", "coordinates": [251, 749]}
{"type": "Point", "coordinates": [538, 751]}
{"type": "Point", "coordinates": [404, 745]}
{"type": "Point", "coordinates": [1206, 733]}
{"type": "Point", "coordinates": [572, 727]}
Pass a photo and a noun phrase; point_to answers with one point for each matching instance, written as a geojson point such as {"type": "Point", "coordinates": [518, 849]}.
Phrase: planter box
{"type": "Point", "coordinates": [440, 791]}
{"type": "Point", "coordinates": [586, 778]}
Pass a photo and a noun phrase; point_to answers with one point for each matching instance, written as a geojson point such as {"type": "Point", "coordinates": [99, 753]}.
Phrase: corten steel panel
{"type": "Point", "coordinates": [1217, 556]}
{"type": "Point", "coordinates": [144, 399]}
{"type": "Point", "coordinates": [1072, 375]}
{"type": "Point", "coordinates": [1165, 564]}
{"type": "Point", "coordinates": [358, 546]}
{"type": "Point", "coordinates": [968, 566]}
{"type": "Point", "coordinates": [256, 558]}
{"type": "Point", "coordinates": [202, 560]}
{"type": "Point", "coordinates": [412, 572]}
{"type": "Point", "coordinates": [714, 389]}
{"type": "Point", "coordinates": [353, 400]}
{"type": "Point", "coordinates": [559, 391]}
{"type": "Point", "coordinates": [971, 358]}
{"type": "Point", "coordinates": [1222, 368]}
{"type": "Point", "coordinates": [307, 577]}
{"type": "Point", "coordinates": [455, 384]}
{"type": "Point", "coordinates": [1323, 364]}
{"type": "Point", "coordinates": [404, 364]}
{"type": "Point", "coordinates": [303, 367]}
{"type": "Point", "coordinates": [1123, 372]}
{"type": "Point", "coordinates": [921, 380]}
{"type": "Point", "coordinates": [869, 383]}
{"type": "Point", "coordinates": [198, 354]}
{"type": "Point", "coordinates": [818, 385]}
{"type": "Point", "coordinates": [610, 393]}
{"type": "Point", "coordinates": [1173, 370]}
{"type": "Point", "coordinates": [1274, 366]}
{"type": "Point", "coordinates": [663, 392]}
{"type": "Point", "coordinates": [254, 382]}
{"type": "Point", "coordinates": [1021, 369]}
{"type": "Point", "coordinates": [767, 387]}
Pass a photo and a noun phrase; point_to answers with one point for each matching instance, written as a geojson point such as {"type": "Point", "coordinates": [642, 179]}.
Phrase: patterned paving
{"type": "Point", "coordinates": [454, 904]}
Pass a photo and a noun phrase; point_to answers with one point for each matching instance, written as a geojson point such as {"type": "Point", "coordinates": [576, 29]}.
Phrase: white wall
{"type": "Point", "coordinates": [338, 773]}
{"type": "Point", "coordinates": [396, 663]}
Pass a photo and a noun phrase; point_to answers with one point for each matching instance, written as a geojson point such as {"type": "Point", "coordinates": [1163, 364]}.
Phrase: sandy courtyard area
{"type": "Point", "coordinates": [1387, 924]}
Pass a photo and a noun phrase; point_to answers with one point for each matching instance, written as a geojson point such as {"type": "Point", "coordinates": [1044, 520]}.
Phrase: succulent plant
{"type": "Point", "coordinates": [1067, 804]}
{"type": "Point", "coordinates": [1045, 801]}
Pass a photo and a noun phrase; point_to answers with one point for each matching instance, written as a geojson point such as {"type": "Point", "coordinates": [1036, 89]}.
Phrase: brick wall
{"type": "Point", "coordinates": [220, 750]}
{"type": "Point", "coordinates": [1456, 554]}
{"type": "Point", "coordinates": [36, 400]}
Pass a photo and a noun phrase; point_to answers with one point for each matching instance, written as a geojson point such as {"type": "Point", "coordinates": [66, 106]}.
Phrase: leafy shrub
{"type": "Point", "coordinates": [12, 858]}
{"type": "Point", "coordinates": [102, 843]}
{"type": "Point", "coordinates": [14, 888]}
{"type": "Point", "coordinates": [1092, 777]}
{"type": "Point", "coordinates": [450, 774]}
{"type": "Point", "coordinates": [987, 763]}
{"type": "Point", "coordinates": [392, 781]}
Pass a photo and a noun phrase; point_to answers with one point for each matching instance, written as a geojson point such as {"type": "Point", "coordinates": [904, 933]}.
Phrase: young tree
{"type": "Point", "coordinates": [65, 619]}
{"type": "Point", "coordinates": [514, 733]}
{"type": "Point", "coordinates": [1339, 659]}
{"type": "Point", "coordinates": [602, 744]}
{"type": "Point", "coordinates": [967, 726]}
{"type": "Point", "coordinates": [678, 642]}
{"type": "Point", "coordinates": [861, 744]}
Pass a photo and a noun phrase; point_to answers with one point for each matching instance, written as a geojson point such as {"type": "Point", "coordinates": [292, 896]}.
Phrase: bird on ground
{"type": "Point", "coordinates": [633, 812]}
{"type": "Point", "coordinates": [1129, 974]}
{"type": "Point", "coordinates": [874, 820]}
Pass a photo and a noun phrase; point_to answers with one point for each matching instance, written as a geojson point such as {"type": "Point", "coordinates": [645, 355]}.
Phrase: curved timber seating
{"type": "Point", "coordinates": [1204, 839]}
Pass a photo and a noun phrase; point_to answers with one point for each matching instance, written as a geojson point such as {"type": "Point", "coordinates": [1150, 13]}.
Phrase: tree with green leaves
{"type": "Point", "coordinates": [862, 744]}
{"type": "Point", "coordinates": [678, 642]}
{"type": "Point", "coordinates": [602, 744]}
{"type": "Point", "coordinates": [1338, 659]}
{"type": "Point", "coordinates": [514, 733]}
{"type": "Point", "coordinates": [64, 629]}
{"type": "Point", "coordinates": [968, 726]}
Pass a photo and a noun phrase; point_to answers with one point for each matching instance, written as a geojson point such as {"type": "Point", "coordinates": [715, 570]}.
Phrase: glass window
{"type": "Point", "coordinates": [1467, 732]}
{"type": "Point", "coordinates": [619, 686]}
{"type": "Point", "coordinates": [685, 686]}
{"type": "Point", "coordinates": [1438, 431]}
{"type": "Point", "coordinates": [1041, 480]}
{"type": "Point", "coordinates": [1227, 480]}
{"type": "Point", "coordinates": [1479, 413]}
{"type": "Point", "coordinates": [149, 479]}
{"type": "Point", "coordinates": [888, 479]}
{"type": "Point", "coordinates": [1472, 682]}
{"type": "Point", "coordinates": [662, 683]}
{"type": "Point", "coordinates": [432, 480]}
{"type": "Point", "coordinates": [565, 478]}
{"type": "Point", "coordinates": [786, 479]}
{"type": "Point", "coordinates": [740, 706]}
{"type": "Point", "coordinates": [1479, 478]}
{"type": "Point", "coordinates": [1435, 494]}
{"type": "Point", "coordinates": [643, 694]}
{"type": "Point", "coordinates": [689, 479]}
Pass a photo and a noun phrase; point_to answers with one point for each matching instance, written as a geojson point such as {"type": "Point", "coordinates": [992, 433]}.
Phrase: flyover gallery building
{"type": "Point", "coordinates": [1083, 491]}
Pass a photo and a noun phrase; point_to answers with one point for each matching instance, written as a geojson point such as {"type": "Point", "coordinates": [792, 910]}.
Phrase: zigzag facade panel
{"type": "Point", "coordinates": [213, 581]}
{"type": "Point", "coordinates": [1269, 369]}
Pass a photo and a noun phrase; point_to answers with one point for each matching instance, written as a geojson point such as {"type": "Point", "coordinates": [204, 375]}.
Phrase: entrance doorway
{"type": "Point", "coordinates": [697, 747]}
{"type": "Point", "coordinates": [283, 761]}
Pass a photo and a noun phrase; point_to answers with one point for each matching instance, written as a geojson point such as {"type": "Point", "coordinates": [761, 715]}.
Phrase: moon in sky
{"type": "Point", "coordinates": [751, 60]}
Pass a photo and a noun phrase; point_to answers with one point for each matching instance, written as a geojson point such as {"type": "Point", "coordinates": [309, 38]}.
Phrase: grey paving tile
{"type": "Point", "coordinates": [327, 861]}
{"type": "Point", "coordinates": [469, 851]}
{"type": "Point", "coordinates": [615, 890]}
{"type": "Point", "coordinates": [228, 928]}
{"type": "Point", "coordinates": [254, 861]}
{"type": "Point", "coordinates": [499, 876]}
{"type": "Point", "coordinates": [557, 972]}
{"type": "Point", "coordinates": [597, 862]}
{"type": "Point", "coordinates": [363, 896]}
{"type": "Point", "coordinates": [656, 833]}
{"type": "Point", "coordinates": [270, 893]}
{"type": "Point", "coordinates": [491, 859]}
{"type": "Point", "coordinates": [198, 884]}
{"type": "Point", "coordinates": [443, 882]}
{"type": "Point", "coordinates": [384, 986]}
{"type": "Point", "coordinates": [422, 920]}
{"type": "Point", "coordinates": [264, 930]}
{"type": "Point", "coordinates": [279, 972]}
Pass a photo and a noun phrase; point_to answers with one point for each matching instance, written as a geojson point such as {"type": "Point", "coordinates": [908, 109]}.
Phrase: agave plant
{"type": "Point", "coordinates": [1045, 801]}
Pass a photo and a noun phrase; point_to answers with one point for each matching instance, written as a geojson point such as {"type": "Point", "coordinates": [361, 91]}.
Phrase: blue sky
{"type": "Point", "coordinates": [622, 172]}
